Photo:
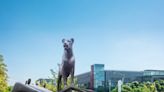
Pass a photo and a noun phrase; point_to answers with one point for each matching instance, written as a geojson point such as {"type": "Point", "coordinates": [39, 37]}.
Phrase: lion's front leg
{"type": "Point", "coordinates": [72, 76]}
{"type": "Point", "coordinates": [65, 81]}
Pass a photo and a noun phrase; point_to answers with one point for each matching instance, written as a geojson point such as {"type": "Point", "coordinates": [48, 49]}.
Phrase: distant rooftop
{"type": "Point", "coordinates": [155, 70]}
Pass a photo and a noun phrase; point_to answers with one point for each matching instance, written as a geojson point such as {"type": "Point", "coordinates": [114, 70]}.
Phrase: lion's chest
{"type": "Point", "coordinates": [67, 67]}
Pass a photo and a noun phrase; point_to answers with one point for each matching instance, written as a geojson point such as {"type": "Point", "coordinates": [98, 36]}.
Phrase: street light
{"type": "Point", "coordinates": [109, 83]}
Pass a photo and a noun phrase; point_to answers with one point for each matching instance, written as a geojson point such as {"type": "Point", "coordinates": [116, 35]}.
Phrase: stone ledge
{"type": "Point", "coordinates": [19, 87]}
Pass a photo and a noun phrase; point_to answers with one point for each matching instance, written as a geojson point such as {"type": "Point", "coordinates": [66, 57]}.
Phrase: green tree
{"type": "Point", "coordinates": [3, 75]}
{"type": "Point", "coordinates": [159, 85]}
{"type": "Point", "coordinates": [140, 87]}
{"type": "Point", "coordinates": [126, 88]}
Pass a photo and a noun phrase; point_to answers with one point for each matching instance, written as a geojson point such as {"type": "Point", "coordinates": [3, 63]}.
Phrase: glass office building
{"type": "Point", "coordinates": [153, 72]}
{"type": "Point", "coordinates": [97, 75]}
{"type": "Point", "coordinates": [153, 75]}
{"type": "Point", "coordinates": [107, 79]}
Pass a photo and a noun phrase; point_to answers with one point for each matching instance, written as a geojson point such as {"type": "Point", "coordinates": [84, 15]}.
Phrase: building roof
{"type": "Point", "coordinates": [155, 70]}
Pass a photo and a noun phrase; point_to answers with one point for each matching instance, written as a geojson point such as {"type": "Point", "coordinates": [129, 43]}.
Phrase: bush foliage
{"type": "Point", "coordinates": [157, 86]}
{"type": "Point", "coordinates": [52, 84]}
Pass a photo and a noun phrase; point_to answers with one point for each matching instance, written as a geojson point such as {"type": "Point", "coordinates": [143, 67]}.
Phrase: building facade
{"type": "Point", "coordinates": [107, 79]}
{"type": "Point", "coordinates": [97, 76]}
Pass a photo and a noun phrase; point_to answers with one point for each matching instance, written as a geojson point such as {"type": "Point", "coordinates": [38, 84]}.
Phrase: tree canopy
{"type": "Point", "coordinates": [157, 86]}
{"type": "Point", "coordinates": [3, 75]}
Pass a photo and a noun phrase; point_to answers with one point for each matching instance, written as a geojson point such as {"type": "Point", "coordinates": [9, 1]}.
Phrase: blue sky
{"type": "Point", "coordinates": [122, 34]}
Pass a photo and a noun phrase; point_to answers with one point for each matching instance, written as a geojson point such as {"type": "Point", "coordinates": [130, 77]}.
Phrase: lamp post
{"type": "Point", "coordinates": [110, 84]}
{"type": "Point", "coordinates": [119, 85]}
{"type": "Point", "coordinates": [120, 82]}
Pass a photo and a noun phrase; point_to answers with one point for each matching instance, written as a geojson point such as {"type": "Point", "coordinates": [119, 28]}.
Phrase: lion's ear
{"type": "Point", "coordinates": [72, 40]}
{"type": "Point", "coordinates": [63, 40]}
